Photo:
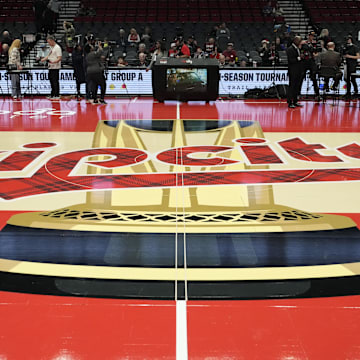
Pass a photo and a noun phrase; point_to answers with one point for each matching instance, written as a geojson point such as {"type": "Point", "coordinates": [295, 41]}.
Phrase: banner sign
{"type": "Point", "coordinates": [118, 82]}
{"type": "Point", "coordinates": [139, 81]}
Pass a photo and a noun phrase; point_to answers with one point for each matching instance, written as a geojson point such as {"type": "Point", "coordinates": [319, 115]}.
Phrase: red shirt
{"type": "Point", "coordinates": [185, 50]}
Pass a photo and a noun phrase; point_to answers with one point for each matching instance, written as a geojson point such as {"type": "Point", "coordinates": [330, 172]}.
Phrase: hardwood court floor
{"type": "Point", "coordinates": [159, 266]}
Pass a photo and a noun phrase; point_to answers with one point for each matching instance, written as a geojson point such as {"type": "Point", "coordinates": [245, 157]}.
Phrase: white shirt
{"type": "Point", "coordinates": [298, 51]}
{"type": "Point", "coordinates": [55, 52]}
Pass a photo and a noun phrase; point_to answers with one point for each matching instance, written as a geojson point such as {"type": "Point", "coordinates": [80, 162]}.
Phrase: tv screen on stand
{"type": "Point", "coordinates": [179, 79]}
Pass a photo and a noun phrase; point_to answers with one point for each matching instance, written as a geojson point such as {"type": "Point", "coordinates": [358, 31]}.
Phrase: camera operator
{"type": "Point", "coordinates": [309, 52]}
{"type": "Point", "coordinates": [331, 59]}
{"type": "Point", "coordinates": [351, 54]}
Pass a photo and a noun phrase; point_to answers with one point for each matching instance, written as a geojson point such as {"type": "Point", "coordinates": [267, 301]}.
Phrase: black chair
{"type": "Point", "coordinates": [327, 73]}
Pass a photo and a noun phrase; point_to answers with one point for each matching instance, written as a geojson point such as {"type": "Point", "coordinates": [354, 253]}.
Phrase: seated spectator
{"type": "Point", "coordinates": [192, 45]}
{"type": "Point", "coordinates": [121, 62]}
{"type": "Point", "coordinates": [91, 12]}
{"type": "Point", "coordinates": [4, 55]}
{"type": "Point", "coordinates": [215, 54]}
{"type": "Point", "coordinates": [147, 36]}
{"type": "Point", "coordinates": [133, 38]}
{"type": "Point", "coordinates": [222, 62]}
{"type": "Point", "coordinates": [223, 31]}
{"type": "Point", "coordinates": [277, 10]}
{"type": "Point", "coordinates": [278, 45]}
{"type": "Point", "coordinates": [42, 52]}
{"type": "Point", "coordinates": [263, 47]}
{"type": "Point", "coordinates": [229, 50]}
{"type": "Point", "coordinates": [142, 49]}
{"type": "Point", "coordinates": [209, 47]}
{"type": "Point", "coordinates": [232, 62]}
{"type": "Point", "coordinates": [331, 59]}
{"type": "Point", "coordinates": [142, 62]}
{"type": "Point", "coordinates": [106, 49]}
{"type": "Point", "coordinates": [121, 41]}
{"type": "Point", "coordinates": [243, 63]}
{"type": "Point", "coordinates": [268, 9]}
{"type": "Point", "coordinates": [183, 49]}
{"type": "Point", "coordinates": [6, 38]}
{"type": "Point", "coordinates": [271, 56]}
{"type": "Point", "coordinates": [213, 31]}
{"type": "Point", "coordinates": [173, 51]}
{"type": "Point", "coordinates": [82, 11]}
{"type": "Point", "coordinates": [199, 53]}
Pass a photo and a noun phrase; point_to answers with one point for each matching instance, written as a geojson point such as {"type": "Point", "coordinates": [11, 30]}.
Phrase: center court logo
{"type": "Point", "coordinates": [34, 173]}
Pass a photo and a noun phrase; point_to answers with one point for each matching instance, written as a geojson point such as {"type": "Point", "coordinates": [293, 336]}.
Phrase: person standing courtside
{"type": "Point", "coordinates": [308, 54]}
{"type": "Point", "coordinates": [295, 72]}
{"type": "Point", "coordinates": [54, 64]}
{"type": "Point", "coordinates": [351, 55]}
{"type": "Point", "coordinates": [14, 64]}
{"type": "Point", "coordinates": [95, 73]}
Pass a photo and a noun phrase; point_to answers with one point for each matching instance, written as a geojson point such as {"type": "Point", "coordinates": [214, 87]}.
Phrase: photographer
{"type": "Point", "coordinates": [350, 53]}
{"type": "Point", "coordinates": [69, 36]}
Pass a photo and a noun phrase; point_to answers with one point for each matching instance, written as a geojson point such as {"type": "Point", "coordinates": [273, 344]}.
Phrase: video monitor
{"type": "Point", "coordinates": [186, 79]}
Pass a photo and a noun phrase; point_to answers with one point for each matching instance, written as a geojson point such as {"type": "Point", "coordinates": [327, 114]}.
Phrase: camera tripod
{"type": "Point", "coordinates": [29, 89]}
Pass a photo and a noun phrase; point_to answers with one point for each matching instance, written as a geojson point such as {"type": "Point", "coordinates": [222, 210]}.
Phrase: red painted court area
{"type": "Point", "coordinates": [47, 327]}
{"type": "Point", "coordinates": [70, 115]}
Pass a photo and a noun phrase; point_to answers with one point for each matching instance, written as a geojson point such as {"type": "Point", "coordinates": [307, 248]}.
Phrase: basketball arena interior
{"type": "Point", "coordinates": [175, 183]}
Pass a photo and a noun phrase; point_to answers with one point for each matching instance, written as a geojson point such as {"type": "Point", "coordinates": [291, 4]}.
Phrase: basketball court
{"type": "Point", "coordinates": [198, 230]}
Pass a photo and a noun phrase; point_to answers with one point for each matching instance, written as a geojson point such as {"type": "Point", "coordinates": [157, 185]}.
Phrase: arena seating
{"type": "Point", "coordinates": [339, 17]}
{"type": "Point", "coordinates": [177, 11]}
{"type": "Point", "coordinates": [16, 11]}
{"type": "Point", "coordinates": [17, 17]}
{"type": "Point", "coordinates": [245, 36]}
{"type": "Point", "coordinates": [333, 11]}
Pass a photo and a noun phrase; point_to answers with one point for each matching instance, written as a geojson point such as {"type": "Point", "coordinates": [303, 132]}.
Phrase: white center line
{"type": "Point", "coordinates": [178, 111]}
{"type": "Point", "coordinates": [181, 305]}
{"type": "Point", "coordinates": [181, 330]}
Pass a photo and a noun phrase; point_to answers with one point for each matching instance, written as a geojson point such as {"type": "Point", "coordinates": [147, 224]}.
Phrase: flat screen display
{"type": "Point", "coordinates": [179, 80]}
